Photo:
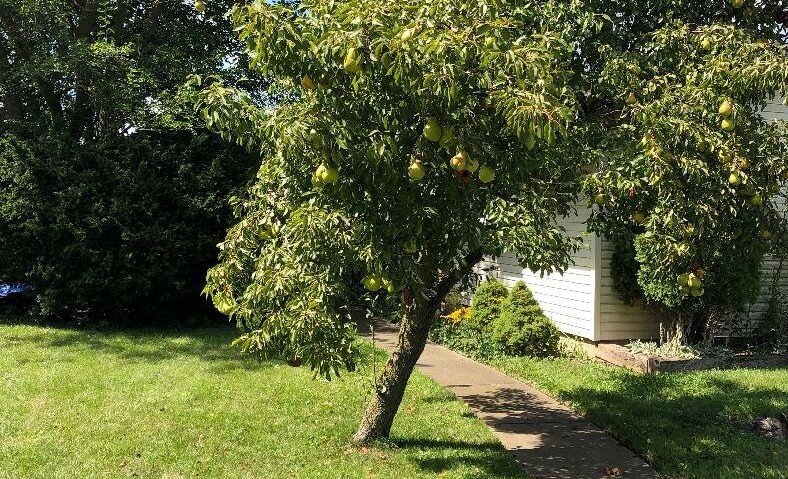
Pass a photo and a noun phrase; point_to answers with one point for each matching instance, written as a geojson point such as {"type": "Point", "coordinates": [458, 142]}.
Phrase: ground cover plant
{"type": "Point", "coordinates": [182, 403]}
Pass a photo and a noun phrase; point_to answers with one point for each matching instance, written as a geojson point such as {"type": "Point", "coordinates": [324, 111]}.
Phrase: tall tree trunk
{"type": "Point", "coordinates": [414, 328]}
{"type": "Point", "coordinates": [379, 416]}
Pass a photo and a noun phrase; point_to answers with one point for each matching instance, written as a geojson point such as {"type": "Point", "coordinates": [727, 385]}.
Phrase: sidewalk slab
{"type": "Point", "coordinates": [548, 439]}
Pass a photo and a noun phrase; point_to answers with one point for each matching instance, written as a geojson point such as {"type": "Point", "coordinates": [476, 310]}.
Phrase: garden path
{"type": "Point", "coordinates": [548, 439]}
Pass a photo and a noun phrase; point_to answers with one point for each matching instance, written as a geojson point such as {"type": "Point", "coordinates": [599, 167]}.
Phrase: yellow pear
{"type": "Point", "coordinates": [727, 124]}
{"type": "Point", "coordinates": [416, 170]}
{"type": "Point", "coordinates": [307, 82]}
{"type": "Point", "coordinates": [199, 5]}
{"type": "Point", "coordinates": [726, 108]}
{"type": "Point", "coordinates": [734, 178]}
{"type": "Point", "coordinates": [352, 63]}
{"type": "Point", "coordinates": [432, 130]}
{"type": "Point", "coordinates": [459, 161]}
{"type": "Point", "coordinates": [600, 199]}
{"type": "Point", "coordinates": [486, 174]}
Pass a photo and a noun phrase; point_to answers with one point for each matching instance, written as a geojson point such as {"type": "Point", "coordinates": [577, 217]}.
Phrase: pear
{"type": "Point", "coordinates": [683, 279]}
{"type": "Point", "coordinates": [352, 63]}
{"type": "Point", "coordinates": [726, 108]}
{"type": "Point", "coordinates": [199, 5]}
{"type": "Point", "coordinates": [638, 217]}
{"type": "Point", "coordinates": [693, 281]}
{"type": "Point", "coordinates": [459, 161]}
{"type": "Point", "coordinates": [734, 178]}
{"type": "Point", "coordinates": [447, 136]}
{"type": "Point", "coordinates": [372, 282]}
{"type": "Point", "coordinates": [388, 285]}
{"type": "Point", "coordinates": [326, 174]}
{"type": "Point", "coordinates": [756, 200]}
{"type": "Point", "coordinates": [706, 44]}
{"type": "Point", "coordinates": [696, 292]}
{"type": "Point", "coordinates": [416, 170]}
{"type": "Point", "coordinates": [486, 174]}
{"type": "Point", "coordinates": [307, 82]}
{"type": "Point", "coordinates": [737, 3]}
{"type": "Point", "coordinates": [632, 99]}
{"type": "Point", "coordinates": [432, 130]}
{"type": "Point", "coordinates": [727, 124]}
{"type": "Point", "coordinates": [600, 199]}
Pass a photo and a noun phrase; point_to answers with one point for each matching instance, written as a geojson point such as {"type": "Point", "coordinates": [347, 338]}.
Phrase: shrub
{"type": "Point", "coordinates": [522, 329]}
{"type": "Point", "coordinates": [122, 231]}
{"type": "Point", "coordinates": [487, 302]}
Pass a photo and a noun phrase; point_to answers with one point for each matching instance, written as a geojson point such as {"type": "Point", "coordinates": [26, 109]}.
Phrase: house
{"type": "Point", "coordinates": [582, 301]}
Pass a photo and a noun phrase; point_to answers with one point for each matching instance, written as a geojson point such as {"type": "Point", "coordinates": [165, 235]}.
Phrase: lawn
{"type": "Point", "coordinates": [694, 425]}
{"type": "Point", "coordinates": [185, 405]}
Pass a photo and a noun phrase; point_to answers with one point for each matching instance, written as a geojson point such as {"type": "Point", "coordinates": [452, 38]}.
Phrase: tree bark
{"type": "Point", "coordinates": [414, 327]}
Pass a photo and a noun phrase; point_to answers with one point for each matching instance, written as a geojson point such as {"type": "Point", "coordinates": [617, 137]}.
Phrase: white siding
{"type": "Point", "coordinates": [567, 299]}
{"type": "Point", "coordinates": [619, 321]}
{"type": "Point", "coordinates": [775, 110]}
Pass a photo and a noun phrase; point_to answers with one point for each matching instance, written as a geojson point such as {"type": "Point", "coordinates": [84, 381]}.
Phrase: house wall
{"type": "Point", "coordinates": [568, 299]}
{"type": "Point", "coordinates": [583, 302]}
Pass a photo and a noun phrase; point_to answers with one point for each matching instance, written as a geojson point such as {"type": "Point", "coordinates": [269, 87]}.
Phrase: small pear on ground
{"type": "Point", "coordinates": [307, 82]}
{"type": "Point", "coordinates": [727, 124]}
{"type": "Point", "coordinates": [416, 170]}
{"type": "Point", "coordinates": [486, 174]}
{"type": "Point", "coordinates": [726, 108]}
{"type": "Point", "coordinates": [459, 161]}
{"type": "Point", "coordinates": [432, 130]}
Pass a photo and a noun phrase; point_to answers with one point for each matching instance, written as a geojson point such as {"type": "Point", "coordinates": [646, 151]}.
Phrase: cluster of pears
{"type": "Point", "coordinates": [461, 162]}
{"type": "Point", "coordinates": [726, 112]}
{"type": "Point", "coordinates": [691, 283]}
{"type": "Point", "coordinates": [376, 282]}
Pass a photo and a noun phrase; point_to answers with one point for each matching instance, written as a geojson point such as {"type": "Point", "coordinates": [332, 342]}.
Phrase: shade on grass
{"type": "Point", "coordinates": [694, 425]}
{"type": "Point", "coordinates": [185, 405]}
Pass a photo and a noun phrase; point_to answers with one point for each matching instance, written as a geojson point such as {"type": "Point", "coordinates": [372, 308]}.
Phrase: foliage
{"type": "Point", "coordinates": [694, 425]}
{"type": "Point", "coordinates": [352, 177]}
{"type": "Point", "coordinates": [111, 200]}
{"type": "Point", "coordinates": [121, 231]}
{"type": "Point", "coordinates": [673, 350]}
{"type": "Point", "coordinates": [166, 403]}
{"type": "Point", "coordinates": [460, 331]}
{"type": "Point", "coordinates": [487, 302]}
{"type": "Point", "coordinates": [522, 329]}
{"type": "Point", "coordinates": [690, 197]}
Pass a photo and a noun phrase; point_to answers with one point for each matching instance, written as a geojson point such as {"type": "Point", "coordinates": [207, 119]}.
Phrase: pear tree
{"type": "Point", "coordinates": [409, 139]}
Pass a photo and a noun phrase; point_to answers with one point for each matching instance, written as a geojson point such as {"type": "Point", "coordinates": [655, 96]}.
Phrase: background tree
{"type": "Point", "coordinates": [110, 201]}
{"type": "Point", "coordinates": [418, 136]}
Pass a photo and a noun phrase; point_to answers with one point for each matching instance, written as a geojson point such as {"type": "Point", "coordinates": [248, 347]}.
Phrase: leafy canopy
{"type": "Point", "coordinates": [411, 137]}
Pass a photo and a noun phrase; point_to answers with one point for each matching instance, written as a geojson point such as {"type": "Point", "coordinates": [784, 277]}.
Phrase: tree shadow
{"type": "Point", "coordinates": [689, 425]}
{"type": "Point", "coordinates": [487, 460]}
{"type": "Point", "coordinates": [207, 344]}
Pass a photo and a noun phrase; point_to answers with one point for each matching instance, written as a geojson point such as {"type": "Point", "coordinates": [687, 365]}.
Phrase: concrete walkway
{"type": "Point", "coordinates": [546, 438]}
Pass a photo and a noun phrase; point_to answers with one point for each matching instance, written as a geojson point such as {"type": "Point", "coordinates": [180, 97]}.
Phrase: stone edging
{"type": "Point", "coordinates": [621, 356]}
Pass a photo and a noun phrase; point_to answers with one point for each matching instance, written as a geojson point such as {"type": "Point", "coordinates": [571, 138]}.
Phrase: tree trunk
{"type": "Point", "coordinates": [413, 331]}
{"type": "Point", "coordinates": [380, 413]}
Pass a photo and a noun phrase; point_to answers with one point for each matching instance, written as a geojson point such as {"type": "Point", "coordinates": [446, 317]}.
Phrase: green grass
{"type": "Point", "coordinates": [77, 404]}
{"type": "Point", "coordinates": [694, 425]}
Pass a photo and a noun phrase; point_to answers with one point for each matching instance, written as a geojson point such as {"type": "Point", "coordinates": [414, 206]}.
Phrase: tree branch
{"type": "Point", "coordinates": [448, 282]}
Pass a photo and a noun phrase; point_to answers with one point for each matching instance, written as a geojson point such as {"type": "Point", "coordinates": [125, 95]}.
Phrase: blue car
{"type": "Point", "coordinates": [12, 288]}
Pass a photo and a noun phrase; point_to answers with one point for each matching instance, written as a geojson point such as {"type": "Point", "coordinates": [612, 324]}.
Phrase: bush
{"type": "Point", "coordinates": [522, 329]}
{"type": "Point", "coordinates": [487, 302]}
{"type": "Point", "coordinates": [122, 231]}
